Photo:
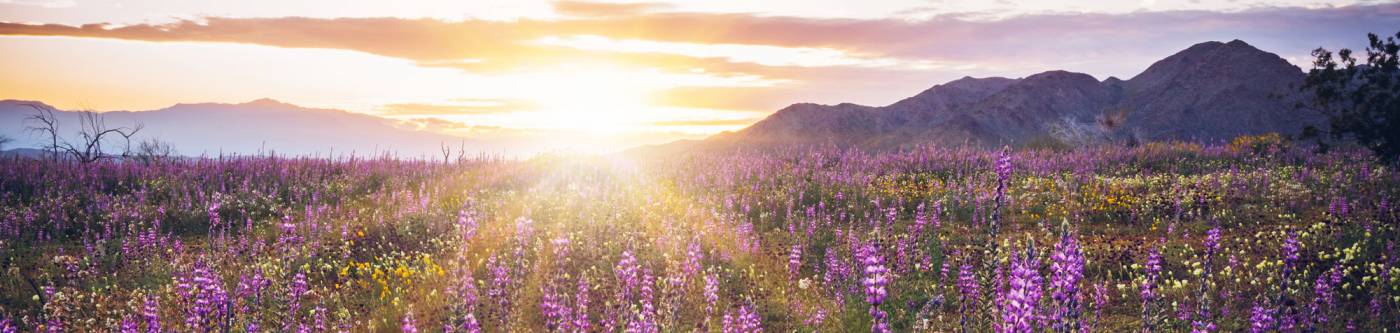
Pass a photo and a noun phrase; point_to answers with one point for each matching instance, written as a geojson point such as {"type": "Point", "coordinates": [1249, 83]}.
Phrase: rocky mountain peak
{"type": "Point", "coordinates": [1209, 91]}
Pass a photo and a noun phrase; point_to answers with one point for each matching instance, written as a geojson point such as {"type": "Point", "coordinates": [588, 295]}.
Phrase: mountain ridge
{"type": "Point", "coordinates": [1210, 91]}
{"type": "Point", "coordinates": [246, 128]}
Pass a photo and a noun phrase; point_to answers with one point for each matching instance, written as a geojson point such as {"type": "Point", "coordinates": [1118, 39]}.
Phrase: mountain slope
{"type": "Point", "coordinates": [1215, 91]}
{"type": "Point", "coordinates": [1208, 92]}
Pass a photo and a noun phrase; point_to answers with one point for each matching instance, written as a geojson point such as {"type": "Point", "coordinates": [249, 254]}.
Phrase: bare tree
{"type": "Point", "coordinates": [92, 130]}
{"type": "Point", "coordinates": [126, 139]}
{"type": "Point", "coordinates": [4, 140]}
{"type": "Point", "coordinates": [446, 152]}
{"type": "Point", "coordinates": [154, 150]}
{"type": "Point", "coordinates": [462, 152]}
{"type": "Point", "coordinates": [44, 121]}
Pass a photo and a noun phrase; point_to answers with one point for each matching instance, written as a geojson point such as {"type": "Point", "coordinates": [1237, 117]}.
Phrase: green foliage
{"type": "Point", "coordinates": [1361, 101]}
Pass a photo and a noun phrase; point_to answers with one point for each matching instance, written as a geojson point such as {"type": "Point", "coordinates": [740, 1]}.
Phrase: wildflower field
{"type": "Point", "coordinates": [1159, 237]}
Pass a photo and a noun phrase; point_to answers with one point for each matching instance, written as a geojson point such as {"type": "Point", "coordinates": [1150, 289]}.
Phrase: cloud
{"type": "Point", "coordinates": [433, 124]}
{"type": "Point", "coordinates": [707, 122]}
{"type": "Point", "coordinates": [940, 38]}
{"type": "Point", "coordinates": [823, 58]}
{"type": "Point", "coordinates": [42, 3]}
{"type": "Point", "coordinates": [462, 107]}
{"type": "Point", "coordinates": [605, 9]}
{"type": "Point", "coordinates": [723, 98]}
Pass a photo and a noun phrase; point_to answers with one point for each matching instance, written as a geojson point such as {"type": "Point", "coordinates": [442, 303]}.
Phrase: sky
{"type": "Point", "coordinates": [643, 72]}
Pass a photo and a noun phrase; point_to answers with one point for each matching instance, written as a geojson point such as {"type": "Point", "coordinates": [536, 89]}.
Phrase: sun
{"type": "Point", "coordinates": [592, 99]}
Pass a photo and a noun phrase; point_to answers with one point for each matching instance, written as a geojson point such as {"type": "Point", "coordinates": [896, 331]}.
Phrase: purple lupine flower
{"type": "Point", "coordinates": [580, 320]}
{"type": "Point", "coordinates": [54, 325]}
{"type": "Point", "coordinates": [997, 287]}
{"type": "Point", "coordinates": [815, 318]}
{"type": "Point", "coordinates": [1261, 319]}
{"type": "Point", "coordinates": [967, 282]}
{"type": "Point", "coordinates": [1003, 170]}
{"type": "Point", "coordinates": [1151, 274]}
{"type": "Point", "coordinates": [409, 325]}
{"type": "Point", "coordinates": [8, 326]}
{"type": "Point", "coordinates": [499, 292]}
{"type": "Point", "coordinates": [524, 228]}
{"type": "Point", "coordinates": [1290, 252]}
{"type": "Point", "coordinates": [214, 220]}
{"type": "Point", "coordinates": [794, 261]}
{"type": "Point", "coordinates": [1205, 319]}
{"type": "Point", "coordinates": [1066, 269]}
{"type": "Point", "coordinates": [711, 293]}
{"type": "Point", "coordinates": [1183, 313]}
{"type": "Point", "coordinates": [1290, 263]}
{"type": "Point", "coordinates": [745, 321]}
{"type": "Point", "coordinates": [318, 319]}
{"type": "Point", "coordinates": [1003, 165]}
{"type": "Point", "coordinates": [470, 325]}
{"type": "Point", "coordinates": [552, 309]}
{"type": "Point", "coordinates": [645, 322]}
{"type": "Point", "coordinates": [150, 311]}
{"type": "Point", "coordinates": [1212, 241]}
{"type": "Point", "coordinates": [921, 222]}
{"type": "Point", "coordinates": [1202, 327]}
{"type": "Point", "coordinates": [693, 256]}
{"type": "Point", "coordinates": [1100, 301]}
{"type": "Point", "coordinates": [933, 217]}
{"type": "Point", "coordinates": [1375, 307]}
{"type": "Point", "coordinates": [627, 272]}
{"type": "Point", "coordinates": [206, 293]}
{"type": "Point", "coordinates": [1339, 208]}
{"type": "Point", "coordinates": [1324, 296]}
{"type": "Point", "coordinates": [876, 277]}
{"type": "Point", "coordinates": [1018, 313]}
{"type": "Point", "coordinates": [562, 246]}
{"type": "Point", "coordinates": [466, 221]}
{"type": "Point", "coordinates": [295, 292]}
{"type": "Point", "coordinates": [837, 275]}
{"type": "Point", "coordinates": [251, 288]}
{"type": "Point", "coordinates": [558, 315]}
{"type": "Point", "coordinates": [467, 310]}
{"type": "Point", "coordinates": [967, 285]}
{"type": "Point", "coordinates": [901, 255]}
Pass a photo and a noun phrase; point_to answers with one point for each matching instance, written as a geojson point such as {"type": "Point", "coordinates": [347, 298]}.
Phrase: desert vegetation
{"type": "Point", "coordinates": [1254, 235]}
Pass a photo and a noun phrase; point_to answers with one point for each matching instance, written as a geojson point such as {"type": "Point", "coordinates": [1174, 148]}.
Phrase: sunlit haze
{"type": "Point", "coordinates": [610, 75]}
{"type": "Point", "coordinates": [705, 166]}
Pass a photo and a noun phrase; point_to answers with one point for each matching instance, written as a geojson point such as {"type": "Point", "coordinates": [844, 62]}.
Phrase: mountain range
{"type": "Point", "coordinates": [1209, 92]}
{"type": "Point", "coordinates": [263, 125]}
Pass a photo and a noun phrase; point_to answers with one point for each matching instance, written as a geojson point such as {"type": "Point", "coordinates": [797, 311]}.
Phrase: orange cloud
{"type": "Point", "coordinates": [493, 44]}
{"type": "Point", "coordinates": [724, 98]}
{"type": "Point", "coordinates": [940, 38]}
{"type": "Point", "coordinates": [602, 9]}
{"type": "Point", "coordinates": [707, 122]}
{"type": "Point", "coordinates": [920, 52]}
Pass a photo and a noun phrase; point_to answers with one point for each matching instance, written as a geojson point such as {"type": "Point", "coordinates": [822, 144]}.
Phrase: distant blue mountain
{"type": "Point", "coordinates": [263, 125]}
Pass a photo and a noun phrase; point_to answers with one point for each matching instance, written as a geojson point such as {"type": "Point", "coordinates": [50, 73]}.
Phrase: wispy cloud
{"type": "Point", "coordinates": [605, 9]}
{"type": "Point", "coordinates": [707, 122]}
{"type": "Point", "coordinates": [672, 40]}
{"type": "Point", "coordinates": [728, 67]}
{"type": "Point", "coordinates": [458, 108]}
{"type": "Point", "coordinates": [42, 3]}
